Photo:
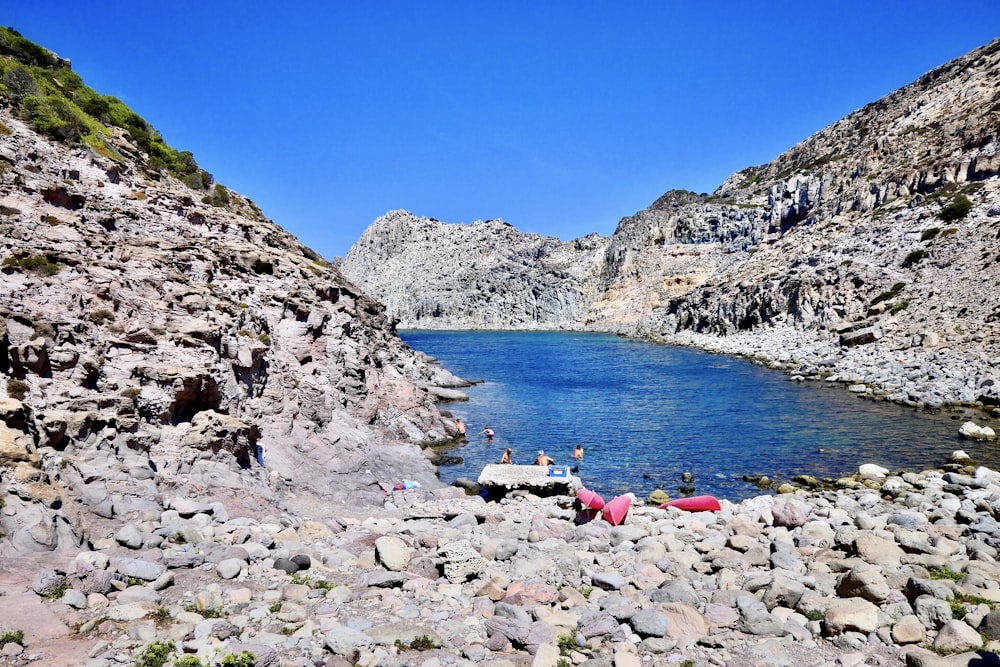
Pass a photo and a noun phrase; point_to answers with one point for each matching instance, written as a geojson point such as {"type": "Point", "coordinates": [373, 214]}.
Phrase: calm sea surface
{"type": "Point", "coordinates": [647, 413]}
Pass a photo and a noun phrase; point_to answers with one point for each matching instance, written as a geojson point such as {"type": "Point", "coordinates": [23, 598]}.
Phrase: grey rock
{"type": "Point", "coordinates": [649, 623]}
{"type": "Point", "coordinates": [611, 581]}
{"type": "Point", "coordinates": [230, 568]}
{"type": "Point", "coordinates": [47, 582]}
{"type": "Point", "coordinates": [138, 568]}
{"type": "Point", "coordinates": [129, 536]}
{"type": "Point", "coordinates": [461, 561]}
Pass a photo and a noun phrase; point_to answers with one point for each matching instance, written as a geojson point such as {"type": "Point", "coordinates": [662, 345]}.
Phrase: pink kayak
{"type": "Point", "coordinates": [617, 508]}
{"type": "Point", "coordinates": [590, 499]}
{"type": "Point", "coordinates": [694, 504]}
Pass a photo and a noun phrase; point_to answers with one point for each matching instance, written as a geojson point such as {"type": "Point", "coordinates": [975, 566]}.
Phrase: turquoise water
{"type": "Point", "coordinates": [647, 413]}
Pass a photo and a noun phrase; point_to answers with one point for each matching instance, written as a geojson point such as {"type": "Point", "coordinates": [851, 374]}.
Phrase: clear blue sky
{"type": "Point", "coordinates": [559, 117]}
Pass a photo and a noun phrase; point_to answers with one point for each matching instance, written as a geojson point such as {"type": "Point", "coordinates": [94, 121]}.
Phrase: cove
{"type": "Point", "coordinates": [646, 413]}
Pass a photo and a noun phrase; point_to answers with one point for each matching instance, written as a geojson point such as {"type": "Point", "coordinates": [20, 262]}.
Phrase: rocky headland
{"type": "Point", "coordinates": [865, 254]}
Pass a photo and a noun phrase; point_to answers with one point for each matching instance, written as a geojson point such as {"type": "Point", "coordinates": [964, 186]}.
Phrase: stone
{"type": "Point", "coordinates": [864, 581]}
{"type": "Point", "coordinates": [392, 552]}
{"type": "Point", "coordinates": [848, 614]}
{"type": "Point", "coordinates": [973, 431]}
{"type": "Point", "coordinates": [129, 536]}
{"type": "Point", "coordinates": [610, 581]}
{"type": "Point", "coordinates": [344, 641]}
{"type": "Point", "coordinates": [649, 623]}
{"type": "Point", "coordinates": [138, 568]}
{"type": "Point", "coordinates": [461, 561]}
{"type": "Point", "coordinates": [956, 637]}
{"type": "Point", "coordinates": [789, 513]}
{"type": "Point", "coordinates": [872, 470]}
{"type": "Point", "coordinates": [230, 568]}
{"type": "Point", "coordinates": [877, 550]}
{"type": "Point", "coordinates": [909, 630]}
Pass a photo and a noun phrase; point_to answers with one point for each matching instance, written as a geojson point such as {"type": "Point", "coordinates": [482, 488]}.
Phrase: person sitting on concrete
{"type": "Point", "coordinates": [543, 460]}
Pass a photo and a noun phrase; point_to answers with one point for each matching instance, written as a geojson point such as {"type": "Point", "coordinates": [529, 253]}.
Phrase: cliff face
{"type": "Point", "coordinates": [877, 233]}
{"type": "Point", "coordinates": [153, 335]}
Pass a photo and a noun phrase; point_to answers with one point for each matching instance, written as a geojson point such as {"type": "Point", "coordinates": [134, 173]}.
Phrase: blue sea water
{"type": "Point", "coordinates": [647, 413]}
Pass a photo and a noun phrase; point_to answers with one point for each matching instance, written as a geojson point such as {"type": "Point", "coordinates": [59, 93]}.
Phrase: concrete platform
{"type": "Point", "coordinates": [499, 479]}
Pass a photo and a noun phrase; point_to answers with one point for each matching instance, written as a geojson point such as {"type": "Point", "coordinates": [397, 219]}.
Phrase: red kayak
{"type": "Point", "coordinates": [590, 499]}
{"type": "Point", "coordinates": [617, 508]}
{"type": "Point", "coordinates": [694, 504]}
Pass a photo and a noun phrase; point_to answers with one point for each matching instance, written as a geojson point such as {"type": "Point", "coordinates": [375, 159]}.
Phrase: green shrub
{"type": "Point", "coordinates": [101, 316]}
{"type": "Point", "coordinates": [421, 643]}
{"type": "Point", "coordinates": [206, 613]}
{"type": "Point", "coordinates": [913, 257]}
{"type": "Point", "coordinates": [130, 392]}
{"type": "Point", "coordinates": [155, 654]}
{"type": "Point", "coordinates": [33, 264]}
{"type": "Point", "coordinates": [566, 643]}
{"type": "Point", "coordinates": [946, 573]}
{"type": "Point", "coordinates": [60, 590]}
{"type": "Point", "coordinates": [242, 659]}
{"type": "Point", "coordinates": [43, 90]}
{"type": "Point", "coordinates": [957, 209]}
{"type": "Point", "coordinates": [17, 389]}
{"type": "Point", "coordinates": [188, 661]}
{"type": "Point", "coordinates": [815, 615]}
{"type": "Point", "coordinates": [928, 234]}
{"type": "Point", "coordinates": [896, 307]}
{"type": "Point", "coordinates": [886, 296]}
{"type": "Point", "coordinates": [11, 637]}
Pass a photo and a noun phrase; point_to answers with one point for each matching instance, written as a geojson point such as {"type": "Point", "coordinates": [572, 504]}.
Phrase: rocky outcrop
{"type": "Point", "coordinates": [154, 339]}
{"type": "Point", "coordinates": [867, 252]}
{"type": "Point", "coordinates": [484, 275]}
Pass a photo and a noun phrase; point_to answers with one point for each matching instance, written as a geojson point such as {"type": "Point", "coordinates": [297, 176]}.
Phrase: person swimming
{"type": "Point", "coordinates": [488, 432]}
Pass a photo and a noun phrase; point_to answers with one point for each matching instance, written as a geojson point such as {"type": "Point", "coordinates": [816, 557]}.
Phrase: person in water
{"type": "Point", "coordinates": [488, 432]}
{"type": "Point", "coordinates": [460, 428]}
{"type": "Point", "coordinates": [506, 456]}
{"type": "Point", "coordinates": [578, 453]}
{"type": "Point", "coordinates": [543, 460]}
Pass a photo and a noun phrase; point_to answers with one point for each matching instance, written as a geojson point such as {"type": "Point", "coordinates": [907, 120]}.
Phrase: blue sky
{"type": "Point", "coordinates": [559, 117]}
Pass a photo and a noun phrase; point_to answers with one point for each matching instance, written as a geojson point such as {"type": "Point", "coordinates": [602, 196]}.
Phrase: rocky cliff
{"type": "Point", "coordinates": [483, 275]}
{"type": "Point", "coordinates": [156, 333]}
{"type": "Point", "coordinates": [866, 253]}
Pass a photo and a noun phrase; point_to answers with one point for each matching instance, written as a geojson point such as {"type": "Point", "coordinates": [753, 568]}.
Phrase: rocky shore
{"type": "Point", "coordinates": [900, 570]}
{"type": "Point", "coordinates": [907, 374]}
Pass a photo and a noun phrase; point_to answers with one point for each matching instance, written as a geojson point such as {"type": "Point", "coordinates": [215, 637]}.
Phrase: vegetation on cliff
{"type": "Point", "coordinates": [43, 90]}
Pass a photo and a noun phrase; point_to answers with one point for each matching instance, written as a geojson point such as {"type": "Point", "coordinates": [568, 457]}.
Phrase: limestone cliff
{"type": "Point", "coordinates": [154, 333]}
{"type": "Point", "coordinates": [866, 253]}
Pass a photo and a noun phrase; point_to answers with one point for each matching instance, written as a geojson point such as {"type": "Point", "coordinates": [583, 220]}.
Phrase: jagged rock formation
{"type": "Point", "coordinates": [867, 252]}
{"type": "Point", "coordinates": [153, 337]}
{"type": "Point", "coordinates": [484, 275]}
{"type": "Point", "coordinates": [880, 245]}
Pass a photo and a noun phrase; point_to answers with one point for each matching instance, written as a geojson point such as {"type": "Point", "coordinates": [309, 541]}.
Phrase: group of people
{"type": "Point", "coordinates": [542, 459]}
